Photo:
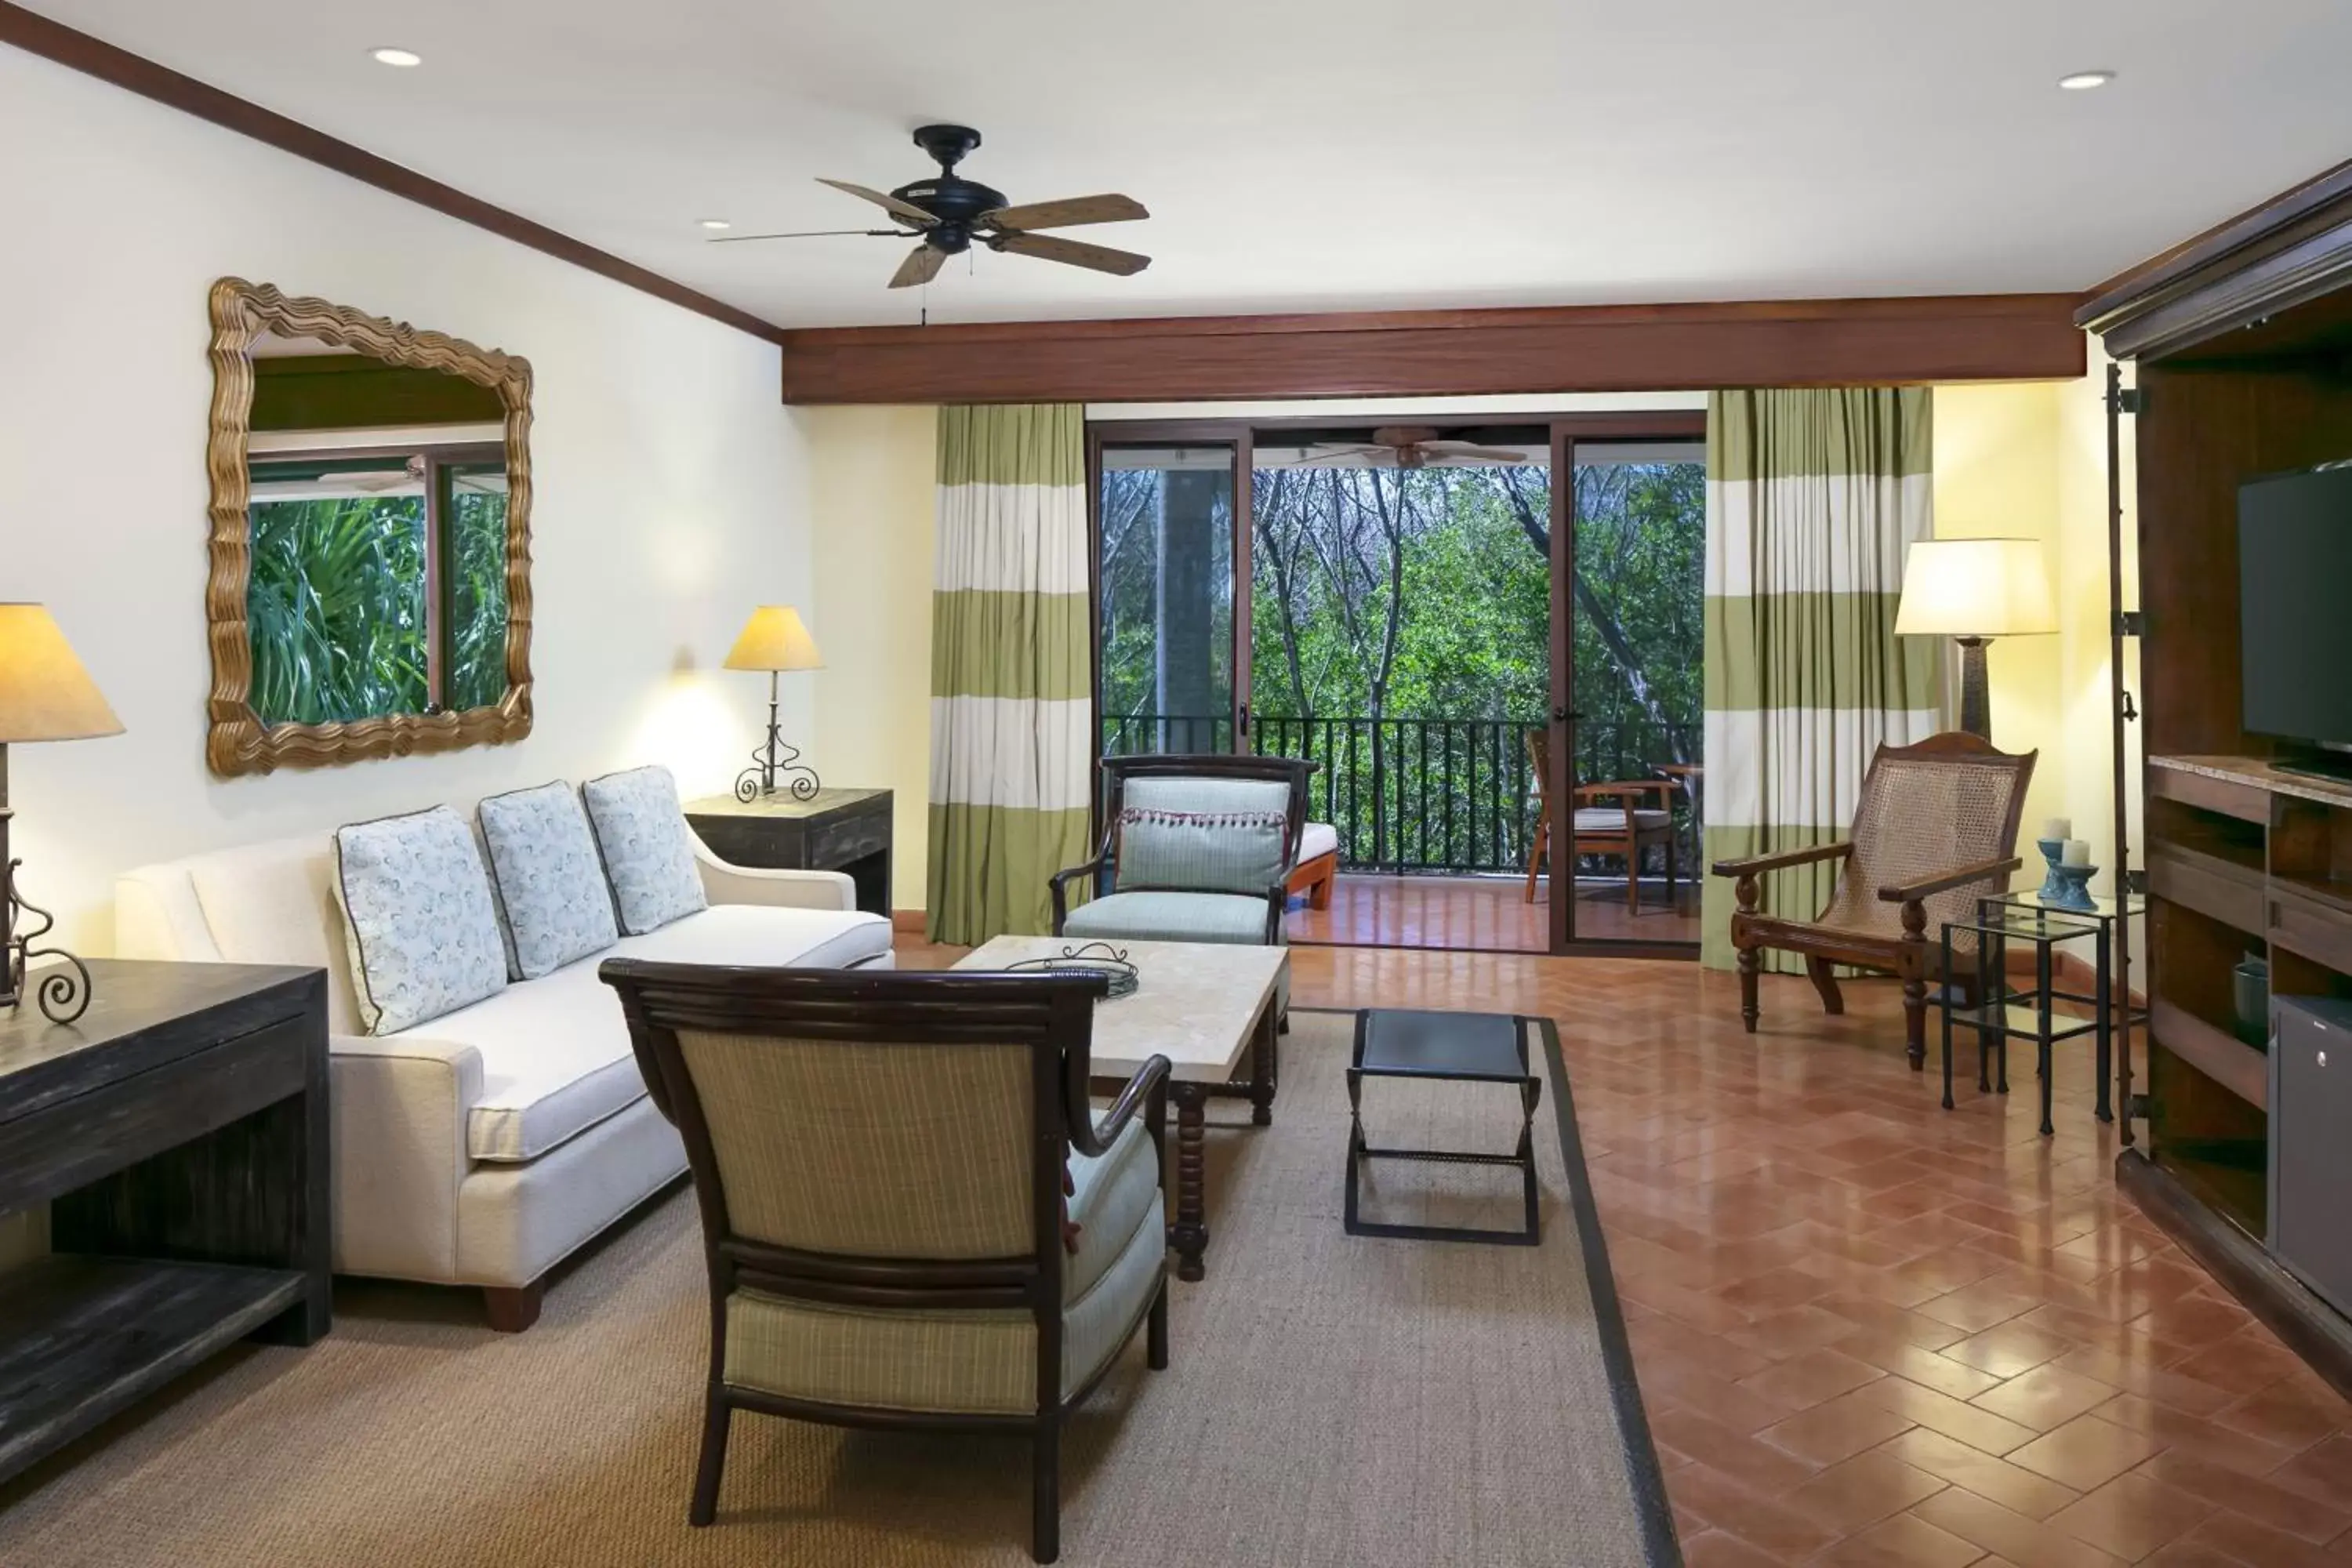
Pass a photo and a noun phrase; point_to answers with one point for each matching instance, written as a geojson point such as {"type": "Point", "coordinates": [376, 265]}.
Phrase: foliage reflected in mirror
{"type": "Point", "coordinates": [374, 536]}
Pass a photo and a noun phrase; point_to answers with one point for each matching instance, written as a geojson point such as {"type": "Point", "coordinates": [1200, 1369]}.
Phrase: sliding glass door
{"type": "Point", "coordinates": [1172, 592]}
{"type": "Point", "coordinates": [1486, 636]}
{"type": "Point", "coordinates": [1629, 589]}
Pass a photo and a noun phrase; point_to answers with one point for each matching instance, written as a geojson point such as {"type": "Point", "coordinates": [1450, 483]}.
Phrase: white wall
{"type": "Point", "coordinates": [670, 482]}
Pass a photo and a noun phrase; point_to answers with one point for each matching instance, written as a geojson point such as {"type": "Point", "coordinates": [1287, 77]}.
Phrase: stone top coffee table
{"type": "Point", "coordinates": [1203, 1006]}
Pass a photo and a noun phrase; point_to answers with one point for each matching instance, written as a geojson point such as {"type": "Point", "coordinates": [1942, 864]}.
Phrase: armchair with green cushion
{"type": "Point", "coordinates": [1195, 849]}
{"type": "Point", "coordinates": [911, 1216]}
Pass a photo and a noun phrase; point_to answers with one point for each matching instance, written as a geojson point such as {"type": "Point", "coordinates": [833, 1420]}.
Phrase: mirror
{"type": "Point", "coordinates": [370, 591]}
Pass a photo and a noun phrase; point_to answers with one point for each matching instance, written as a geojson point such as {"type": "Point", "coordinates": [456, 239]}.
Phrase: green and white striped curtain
{"type": "Point", "coordinates": [1813, 497]}
{"type": "Point", "coordinates": [1012, 689]}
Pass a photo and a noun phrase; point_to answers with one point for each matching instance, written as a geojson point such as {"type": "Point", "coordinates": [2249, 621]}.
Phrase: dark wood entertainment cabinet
{"type": "Point", "coordinates": [2242, 343]}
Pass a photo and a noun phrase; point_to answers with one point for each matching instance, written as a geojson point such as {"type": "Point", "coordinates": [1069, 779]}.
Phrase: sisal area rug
{"type": "Point", "coordinates": [1352, 1402]}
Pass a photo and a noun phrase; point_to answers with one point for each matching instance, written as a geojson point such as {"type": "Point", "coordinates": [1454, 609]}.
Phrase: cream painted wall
{"type": "Point", "coordinates": [1997, 475]}
{"type": "Point", "coordinates": [873, 502]}
{"type": "Point", "coordinates": [670, 482]}
{"type": "Point", "coordinates": [2029, 459]}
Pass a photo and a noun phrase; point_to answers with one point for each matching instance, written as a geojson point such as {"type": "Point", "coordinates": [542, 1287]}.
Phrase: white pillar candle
{"type": "Point", "coordinates": [2077, 852]}
{"type": "Point", "coordinates": [2058, 829]}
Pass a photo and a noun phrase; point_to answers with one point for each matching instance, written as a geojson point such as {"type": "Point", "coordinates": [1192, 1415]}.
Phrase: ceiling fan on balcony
{"type": "Point", "coordinates": [949, 214]}
{"type": "Point", "coordinates": [1405, 447]}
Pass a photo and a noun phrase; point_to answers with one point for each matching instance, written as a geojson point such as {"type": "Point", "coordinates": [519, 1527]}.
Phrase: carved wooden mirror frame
{"type": "Point", "coordinates": [238, 741]}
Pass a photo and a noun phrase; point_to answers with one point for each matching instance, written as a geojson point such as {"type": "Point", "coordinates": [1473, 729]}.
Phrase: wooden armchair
{"type": "Point", "coordinates": [1621, 818]}
{"type": "Point", "coordinates": [910, 1215]}
{"type": "Point", "coordinates": [1936, 830]}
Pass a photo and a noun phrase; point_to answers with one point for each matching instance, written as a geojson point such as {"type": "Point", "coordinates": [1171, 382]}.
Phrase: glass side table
{"type": "Point", "coordinates": [2002, 1012]}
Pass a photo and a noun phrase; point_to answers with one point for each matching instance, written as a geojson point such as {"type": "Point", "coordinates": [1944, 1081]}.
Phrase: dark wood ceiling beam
{"type": "Point", "coordinates": [38, 35]}
{"type": "Point", "coordinates": [1433, 353]}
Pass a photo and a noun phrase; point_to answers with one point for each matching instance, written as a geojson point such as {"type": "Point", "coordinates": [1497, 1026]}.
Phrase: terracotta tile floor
{"type": "Point", "coordinates": [1874, 1334]}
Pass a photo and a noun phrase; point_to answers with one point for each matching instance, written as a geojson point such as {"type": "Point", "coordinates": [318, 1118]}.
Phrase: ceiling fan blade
{"type": "Point", "coordinates": [1068, 212]}
{"type": "Point", "coordinates": [922, 265]}
{"type": "Point", "coordinates": [1074, 253]}
{"type": "Point", "coordinates": [906, 211]}
{"type": "Point", "coordinates": [798, 233]}
{"type": "Point", "coordinates": [1470, 452]}
{"type": "Point", "coordinates": [1342, 453]}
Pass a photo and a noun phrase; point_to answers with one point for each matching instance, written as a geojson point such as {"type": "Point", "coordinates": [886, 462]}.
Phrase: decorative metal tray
{"type": "Point", "coordinates": [1087, 958]}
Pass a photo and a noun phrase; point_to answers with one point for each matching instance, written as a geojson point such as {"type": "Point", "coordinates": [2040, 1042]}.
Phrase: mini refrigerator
{"type": "Point", "coordinates": [2311, 1143]}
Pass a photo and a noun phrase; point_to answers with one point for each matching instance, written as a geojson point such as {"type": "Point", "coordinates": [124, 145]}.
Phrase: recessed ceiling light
{"type": "Point", "coordinates": [401, 58]}
{"type": "Point", "coordinates": [2082, 81]}
{"type": "Point", "coordinates": [716, 223]}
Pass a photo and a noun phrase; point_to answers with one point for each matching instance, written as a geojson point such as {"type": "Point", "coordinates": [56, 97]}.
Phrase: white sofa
{"type": "Point", "coordinates": [482, 1147]}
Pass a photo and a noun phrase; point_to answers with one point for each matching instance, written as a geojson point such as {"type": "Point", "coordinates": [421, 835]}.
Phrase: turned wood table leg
{"type": "Point", "coordinates": [1265, 1070]}
{"type": "Point", "coordinates": [1190, 1234]}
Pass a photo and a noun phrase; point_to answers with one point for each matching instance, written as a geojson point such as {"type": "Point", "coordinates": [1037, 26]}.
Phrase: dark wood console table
{"type": "Point", "coordinates": [179, 1131]}
{"type": "Point", "coordinates": [839, 830]}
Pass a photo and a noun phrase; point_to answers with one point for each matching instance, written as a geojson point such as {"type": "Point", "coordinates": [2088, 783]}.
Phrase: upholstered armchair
{"type": "Point", "coordinates": [911, 1216]}
{"type": "Point", "coordinates": [1935, 831]}
{"type": "Point", "coordinates": [1195, 849]}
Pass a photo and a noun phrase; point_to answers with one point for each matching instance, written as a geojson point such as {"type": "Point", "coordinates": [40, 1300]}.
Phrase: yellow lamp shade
{"type": "Point", "coordinates": [1975, 588]}
{"type": "Point", "coordinates": [45, 693]}
{"type": "Point", "coordinates": [774, 638]}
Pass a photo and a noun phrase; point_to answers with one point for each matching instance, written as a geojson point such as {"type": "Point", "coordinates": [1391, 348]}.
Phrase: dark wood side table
{"type": "Point", "coordinates": [179, 1131]}
{"type": "Point", "coordinates": [837, 830]}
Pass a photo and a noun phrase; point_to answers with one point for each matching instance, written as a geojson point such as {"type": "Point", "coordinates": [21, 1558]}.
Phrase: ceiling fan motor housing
{"type": "Point", "coordinates": [955, 201]}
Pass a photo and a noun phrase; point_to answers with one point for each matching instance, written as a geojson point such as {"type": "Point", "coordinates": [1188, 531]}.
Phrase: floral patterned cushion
{"type": "Point", "coordinates": [648, 848]}
{"type": "Point", "coordinates": [543, 867]}
{"type": "Point", "coordinates": [423, 937]}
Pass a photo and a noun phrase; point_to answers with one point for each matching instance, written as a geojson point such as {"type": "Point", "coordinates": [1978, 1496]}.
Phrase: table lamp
{"type": "Point", "coordinates": [1973, 590]}
{"type": "Point", "coordinates": [45, 695]}
{"type": "Point", "coordinates": [774, 640]}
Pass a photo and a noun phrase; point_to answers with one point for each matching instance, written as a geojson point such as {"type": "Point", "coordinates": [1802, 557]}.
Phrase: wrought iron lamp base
{"type": "Point", "coordinates": [774, 761]}
{"type": "Point", "coordinates": [63, 992]}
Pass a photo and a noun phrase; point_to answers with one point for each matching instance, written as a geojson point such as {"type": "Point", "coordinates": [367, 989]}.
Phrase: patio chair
{"type": "Point", "coordinates": [1611, 819]}
{"type": "Point", "coordinates": [1936, 830]}
{"type": "Point", "coordinates": [910, 1215]}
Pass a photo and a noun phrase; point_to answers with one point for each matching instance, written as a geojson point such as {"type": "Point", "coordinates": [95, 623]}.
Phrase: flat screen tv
{"type": "Point", "coordinates": [2295, 603]}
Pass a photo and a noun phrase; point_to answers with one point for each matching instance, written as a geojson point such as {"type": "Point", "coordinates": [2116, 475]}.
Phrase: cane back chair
{"type": "Point", "coordinates": [1936, 830]}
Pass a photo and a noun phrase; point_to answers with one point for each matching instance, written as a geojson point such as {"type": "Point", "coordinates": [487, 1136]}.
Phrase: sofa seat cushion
{"type": "Point", "coordinates": [762, 936]}
{"type": "Point", "coordinates": [555, 1051]}
{"type": "Point", "coordinates": [1317, 840]}
{"type": "Point", "coordinates": [964, 1361]}
{"type": "Point", "coordinates": [1612, 819]}
{"type": "Point", "coordinates": [1170, 916]}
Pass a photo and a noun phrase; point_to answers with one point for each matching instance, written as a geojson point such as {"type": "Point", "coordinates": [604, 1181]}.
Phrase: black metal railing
{"type": "Point", "coordinates": [1419, 794]}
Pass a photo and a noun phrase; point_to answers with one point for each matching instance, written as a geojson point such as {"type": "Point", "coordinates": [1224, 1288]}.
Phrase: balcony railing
{"type": "Point", "coordinates": [1418, 794]}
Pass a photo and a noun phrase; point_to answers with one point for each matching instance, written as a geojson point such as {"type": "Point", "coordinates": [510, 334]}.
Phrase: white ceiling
{"type": "Point", "coordinates": [1309, 154]}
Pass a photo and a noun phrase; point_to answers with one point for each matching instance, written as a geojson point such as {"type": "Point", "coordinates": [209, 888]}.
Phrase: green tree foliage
{"type": "Point", "coordinates": [335, 607]}
{"type": "Point", "coordinates": [476, 568]}
{"type": "Point", "coordinates": [1382, 598]}
{"type": "Point", "coordinates": [1427, 593]}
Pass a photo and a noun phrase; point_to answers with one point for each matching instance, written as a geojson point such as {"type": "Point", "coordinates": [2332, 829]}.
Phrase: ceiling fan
{"type": "Point", "coordinates": [948, 214]}
{"type": "Point", "coordinates": [1407, 446]}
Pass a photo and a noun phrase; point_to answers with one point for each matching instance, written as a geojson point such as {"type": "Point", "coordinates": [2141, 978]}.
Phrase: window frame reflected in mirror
{"type": "Point", "coordinates": [241, 738]}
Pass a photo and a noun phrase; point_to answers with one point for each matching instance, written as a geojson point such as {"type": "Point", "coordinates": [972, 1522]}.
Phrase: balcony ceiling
{"type": "Point", "coordinates": [1314, 155]}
